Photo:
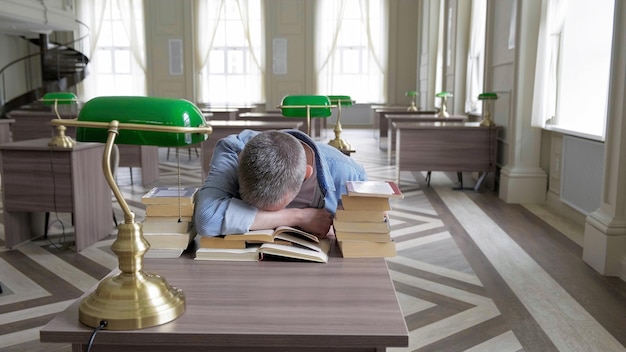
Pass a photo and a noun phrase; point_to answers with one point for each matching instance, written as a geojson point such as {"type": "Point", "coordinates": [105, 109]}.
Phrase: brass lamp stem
{"type": "Point", "coordinates": [132, 299]}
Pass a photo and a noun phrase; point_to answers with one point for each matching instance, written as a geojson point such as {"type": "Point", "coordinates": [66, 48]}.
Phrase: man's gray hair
{"type": "Point", "coordinates": [272, 166]}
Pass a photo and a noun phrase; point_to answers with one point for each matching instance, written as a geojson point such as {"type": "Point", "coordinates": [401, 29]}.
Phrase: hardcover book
{"type": "Point", "coordinates": [172, 210]}
{"type": "Point", "coordinates": [360, 215]}
{"type": "Point", "coordinates": [357, 226]}
{"type": "Point", "coordinates": [383, 189]}
{"type": "Point", "coordinates": [363, 236]}
{"type": "Point", "coordinates": [270, 235]}
{"type": "Point", "coordinates": [175, 226]}
{"type": "Point", "coordinates": [365, 203]}
{"type": "Point", "coordinates": [170, 240]}
{"type": "Point", "coordinates": [170, 195]}
{"type": "Point", "coordinates": [299, 249]}
{"type": "Point", "coordinates": [367, 249]}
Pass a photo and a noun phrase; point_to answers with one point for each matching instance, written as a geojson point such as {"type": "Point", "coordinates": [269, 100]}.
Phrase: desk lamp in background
{"type": "Point", "coordinates": [309, 106]}
{"type": "Point", "coordinates": [487, 98]}
{"type": "Point", "coordinates": [443, 111]}
{"type": "Point", "coordinates": [134, 299]}
{"type": "Point", "coordinates": [56, 99]}
{"type": "Point", "coordinates": [413, 95]}
{"type": "Point", "coordinates": [339, 142]}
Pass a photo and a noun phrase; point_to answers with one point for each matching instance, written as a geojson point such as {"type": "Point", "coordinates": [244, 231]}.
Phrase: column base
{"type": "Point", "coordinates": [523, 186]}
{"type": "Point", "coordinates": [605, 245]}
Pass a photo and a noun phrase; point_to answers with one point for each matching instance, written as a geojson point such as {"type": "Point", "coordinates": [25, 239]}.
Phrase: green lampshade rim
{"type": "Point", "coordinates": [444, 95]}
{"type": "Point", "coordinates": [487, 96]}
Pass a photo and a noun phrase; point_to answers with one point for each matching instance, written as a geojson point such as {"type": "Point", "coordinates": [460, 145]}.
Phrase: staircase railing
{"type": "Point", "coordinates": [76, 44]}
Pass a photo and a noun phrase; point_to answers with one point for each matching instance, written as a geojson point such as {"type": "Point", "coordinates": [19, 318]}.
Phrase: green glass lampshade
{"type": "Point", "coordinates": [444, 94]}
{"type": "Point", "coordinates": [487, 96]}
{"type": "Point", "coordinates": [306, 106]}
{"type": "Point", "coordinates": [135, 110]}
{"type": "Point", "coordinates": [59, 98]}
{"type": "Point", "coordinates": [411, 93]}
{"type": "Point", "coordinates": [340, 100]}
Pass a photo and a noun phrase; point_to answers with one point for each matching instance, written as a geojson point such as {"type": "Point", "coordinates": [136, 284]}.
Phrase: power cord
{"type": "Point", "coordinates": [103, 324]}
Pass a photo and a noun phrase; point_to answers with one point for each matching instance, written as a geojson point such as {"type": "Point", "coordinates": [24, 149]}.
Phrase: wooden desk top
{"type": "Point", "coordinates": [260, 115]}
{"type": "Point", "coordinates": [430, 116]}
{"type": "Point", "coordinates": [288, 123]}
{"type": "Point", "coordinates": [346, 302]}
{"type": "Point", "coordinates": [42, 144]}
{"type": "Point", "coordinates": [437, 125]}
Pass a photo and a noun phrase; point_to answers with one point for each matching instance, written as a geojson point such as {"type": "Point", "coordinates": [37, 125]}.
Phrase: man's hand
{"type": "Point", "coordinates": [316, 221]}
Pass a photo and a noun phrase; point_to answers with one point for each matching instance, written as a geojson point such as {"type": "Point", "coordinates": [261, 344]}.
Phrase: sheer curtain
{"type": "Point", "coordinates": [551, 23]}
{"type": "Point", "coordinates": [209, 17]}
{"type": "Point", "coordinates": [475, 56]}
{"type": "Point", "coordinates": [336, 74]}
{"type": "Point", "coordinates": [92, 13]}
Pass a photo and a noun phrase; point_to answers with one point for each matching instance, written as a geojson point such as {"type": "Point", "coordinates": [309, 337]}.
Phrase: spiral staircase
{"type": "Point", "coordinates": [61, 66]}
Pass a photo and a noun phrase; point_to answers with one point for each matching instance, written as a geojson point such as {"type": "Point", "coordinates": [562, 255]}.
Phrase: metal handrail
{"type": "Point", "coordinates": [39, 53]}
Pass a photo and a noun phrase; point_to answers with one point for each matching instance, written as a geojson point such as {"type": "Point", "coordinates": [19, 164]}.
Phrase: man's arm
{"type": "Point", "coordinates": [313, 220]}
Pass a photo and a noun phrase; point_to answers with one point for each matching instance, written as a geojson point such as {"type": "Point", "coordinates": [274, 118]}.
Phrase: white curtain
{"type": "Point", "coordinates": [209, 13]}
{"type": "Point", "coordinates": [92, 13]}
{"type": "Point", "coordinates": [475, 56]}
{"type": "Point", "coordinates": [373, 17]}
{"type": "Point", "coordinates": [550, 26]}
{"type": "Point", "coordinates": [440, 49]}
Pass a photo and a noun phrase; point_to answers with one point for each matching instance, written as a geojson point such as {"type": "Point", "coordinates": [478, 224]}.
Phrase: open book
{"type": "Point", "coordinates": [270, 234]}
{"type": "Point", "coordinates": [283, 245]}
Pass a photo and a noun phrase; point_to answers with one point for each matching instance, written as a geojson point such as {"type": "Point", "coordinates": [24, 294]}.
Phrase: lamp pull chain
{"type": "Point", "coordinates": [180, 206]}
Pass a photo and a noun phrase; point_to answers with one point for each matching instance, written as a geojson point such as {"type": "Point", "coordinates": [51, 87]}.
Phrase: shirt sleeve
{"type": "Point", "coordinates": [219, 209]}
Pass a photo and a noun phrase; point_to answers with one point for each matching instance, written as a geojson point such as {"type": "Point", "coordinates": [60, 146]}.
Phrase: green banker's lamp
{"type": "Point", "coordinates": [309, 106]}
{"type": "Point", "coordinates": [487, 98]}
{"type": "Point", "coordinates": [338, 142]}
{"type": "Point", "coordinates": [56, 99]}
{"type": "Point", "coordinates": [134, 299]}
{"type": "Point", "coordinates": [413, 95]}
{"type": "Point", "coordinates": [443, 112]}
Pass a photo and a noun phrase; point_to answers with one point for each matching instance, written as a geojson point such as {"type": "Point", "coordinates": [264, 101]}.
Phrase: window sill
{"type": "Point", "coordinates": [569, 132]}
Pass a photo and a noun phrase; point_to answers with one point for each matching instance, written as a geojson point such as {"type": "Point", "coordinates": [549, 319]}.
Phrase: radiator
{"type": "Point", "coordinates": [582, 173]}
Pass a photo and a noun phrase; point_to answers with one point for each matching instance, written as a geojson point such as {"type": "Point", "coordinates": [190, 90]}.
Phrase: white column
{"type": "Point", "coordinates": [522, 180]}
{"type": "Point", "coordinates": [605, 229]}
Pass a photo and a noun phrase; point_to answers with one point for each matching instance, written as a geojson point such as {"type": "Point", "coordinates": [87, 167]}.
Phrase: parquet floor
{"type": "Point", "coordinates": [472, 273]}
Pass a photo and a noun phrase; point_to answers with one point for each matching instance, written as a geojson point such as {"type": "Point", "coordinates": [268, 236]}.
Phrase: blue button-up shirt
{"type": "Point", "coordinates": [219, 209]}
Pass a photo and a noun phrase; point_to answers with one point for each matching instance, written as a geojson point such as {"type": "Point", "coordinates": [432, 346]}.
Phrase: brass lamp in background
{"type": "Point", "coordinates": [338, 142]}
{"type": "Point", "coordinates": [443, 112]}
{"type": "Point", "coordinates": [309, 106]}
{"type": "Point", "coordinates": [60, 98]}
{"type": "Point", "coordinates": [134, 299]}
{"type": "Point", "coordinates": [413, 95]}
{"type": "Point", "coordinates": [487, 98]}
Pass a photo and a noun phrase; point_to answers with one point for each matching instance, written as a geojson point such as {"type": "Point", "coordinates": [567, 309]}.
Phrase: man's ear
{"type": "Point", "coordinates": [309, 171]}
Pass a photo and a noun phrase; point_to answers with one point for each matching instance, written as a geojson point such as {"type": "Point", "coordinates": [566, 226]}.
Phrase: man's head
{"type": "Point", "coordinates": [272, 167]}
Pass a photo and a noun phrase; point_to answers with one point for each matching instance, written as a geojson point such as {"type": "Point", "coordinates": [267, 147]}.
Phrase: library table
{"type": "Point", "coordinates": [380, 122]}
{"type": "Point", "coordinates": [343, 305]}
{"type": "Point", "coordinates": [391, 118]}
{"type": "Point", "coordinates": [446, 146]}
{"type": "Point", "coordinates": [39, 178]}
{"type": "Point", "coordinates": [223, 128]}
{"type": "Point", "coordinates": [317, 124]}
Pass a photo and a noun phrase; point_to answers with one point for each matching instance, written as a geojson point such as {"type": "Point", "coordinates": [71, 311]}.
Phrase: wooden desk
{"type": "Point", "coordinates": [317, 124]}
{"type": "Point", "coordinates": [446, 146]}
{"type": "Point", "coordinates": [380, 121]}
{"type": "Point", "coordinates": [222, 113]}
{"type": "Point", "coordinates": [33, 124]}
{"type": "Point", "coordinates": [223, 128]}
{"type": "Point", "coordinates": [38, 178]}
{"type": "Point", "coordinates": [344, 305]}
{"type": "Point", "coordinates": [5, 130]}
{"type": "Point", "coordinates": [391, 118]}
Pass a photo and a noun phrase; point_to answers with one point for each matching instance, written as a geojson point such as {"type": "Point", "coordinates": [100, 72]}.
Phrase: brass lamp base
{"type": "Point", "coordinates": [132, 299]}
{"type": "Point", "coordinates": [487, 120]}
{"type": "Point", "coordinates": [412, 107]}
{"type": "Point", "coordinates": [61, 140]}
{"type": "Point", "coordinates": [339, 142]}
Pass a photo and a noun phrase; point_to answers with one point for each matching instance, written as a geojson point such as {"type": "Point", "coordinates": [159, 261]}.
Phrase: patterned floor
{"type": "Point", "coordinates": [464, 277]}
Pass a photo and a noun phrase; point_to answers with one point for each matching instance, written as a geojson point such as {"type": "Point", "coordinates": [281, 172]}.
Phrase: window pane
{"type": "Point", "coordinates": [235, 61]}
{"type": "Point", "coordinates": [124, 85]}
{"type": "Point", "coordinates": [122, 61]}
{"type": "Point", "coordinates": [217, 61]}
{"type": "Point", "coordinates": [104, 61]}
{"type": "Point", "coordinates": [106, 34]}
{"type": "Point", "coordinates": [120, 38]}
{"type": "Point", "coordinates": [351, 61]}
{"type": "Point", "coordinates": [235, 34]}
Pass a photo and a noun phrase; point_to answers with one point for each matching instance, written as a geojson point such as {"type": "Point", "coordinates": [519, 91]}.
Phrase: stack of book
{"type": "Point", "coordinates": [362, 225]}
{"type": "Point", "coordinates": [282, 243]}
{"type": "Point", "coordinates": [168, 225]}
